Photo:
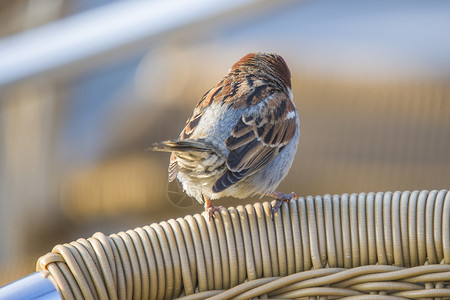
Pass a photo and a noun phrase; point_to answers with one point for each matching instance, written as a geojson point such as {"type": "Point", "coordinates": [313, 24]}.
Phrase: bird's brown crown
{"type": "Point", "coordinates": [271, 63]}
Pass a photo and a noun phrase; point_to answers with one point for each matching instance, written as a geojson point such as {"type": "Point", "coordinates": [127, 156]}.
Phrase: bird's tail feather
{"type": "Point", "coordinates": [181, 146]}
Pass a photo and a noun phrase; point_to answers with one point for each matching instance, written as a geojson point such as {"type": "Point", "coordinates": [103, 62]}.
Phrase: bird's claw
{"type": "Point", "coordinates": [212, 210]}
{"type": "Point", "coordinates": [280, 198]}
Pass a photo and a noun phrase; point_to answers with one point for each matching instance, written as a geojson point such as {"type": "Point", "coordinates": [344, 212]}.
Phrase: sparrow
{"type": "Point", "coordinates": [242, 137]}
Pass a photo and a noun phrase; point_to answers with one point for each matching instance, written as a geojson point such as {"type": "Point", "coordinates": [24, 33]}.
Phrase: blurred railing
{"type": "Point", "coordinates": [120, 29]}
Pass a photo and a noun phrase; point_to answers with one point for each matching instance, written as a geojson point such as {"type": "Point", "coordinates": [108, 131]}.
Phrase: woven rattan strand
{"type": "Point", "coordinates": [358, 246]}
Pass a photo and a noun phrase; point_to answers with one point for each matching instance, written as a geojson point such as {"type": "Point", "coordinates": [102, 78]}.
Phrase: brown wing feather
{"type": "Point", "coordinates": [258, 137]}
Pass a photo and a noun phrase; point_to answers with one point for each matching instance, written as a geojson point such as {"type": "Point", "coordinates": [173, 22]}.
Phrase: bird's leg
{"type": "Point", "coordinates": [280, 198]}
{"type": "Point", "coordinates": [210, 208]}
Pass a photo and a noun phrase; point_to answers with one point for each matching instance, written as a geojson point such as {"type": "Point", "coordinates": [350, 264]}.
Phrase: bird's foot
{"type": "Point", "coordinates": [211, 209]}
{"type": "Point", "coordinates": [280, 198]}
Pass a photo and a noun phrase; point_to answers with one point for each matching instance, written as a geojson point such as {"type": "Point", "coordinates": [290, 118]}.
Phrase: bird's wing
{"type": "Point", "coordinates": [225, 90]}
{"type": "Point", "coordinates": [191, 125]}
{"type": "Point", "coordinates": [259, 135]}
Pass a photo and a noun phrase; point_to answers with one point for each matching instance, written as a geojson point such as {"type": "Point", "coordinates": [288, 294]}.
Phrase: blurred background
{"type": "Point", "coordinates": [84, 91]}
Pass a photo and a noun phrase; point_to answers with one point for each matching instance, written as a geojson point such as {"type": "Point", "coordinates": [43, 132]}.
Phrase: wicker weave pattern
{"type": "Point", "coordinates": [374, 246]}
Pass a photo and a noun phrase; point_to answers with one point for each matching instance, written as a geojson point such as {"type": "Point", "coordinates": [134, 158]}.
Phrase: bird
{"type": "Point", "coordinates": [242, 137]}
